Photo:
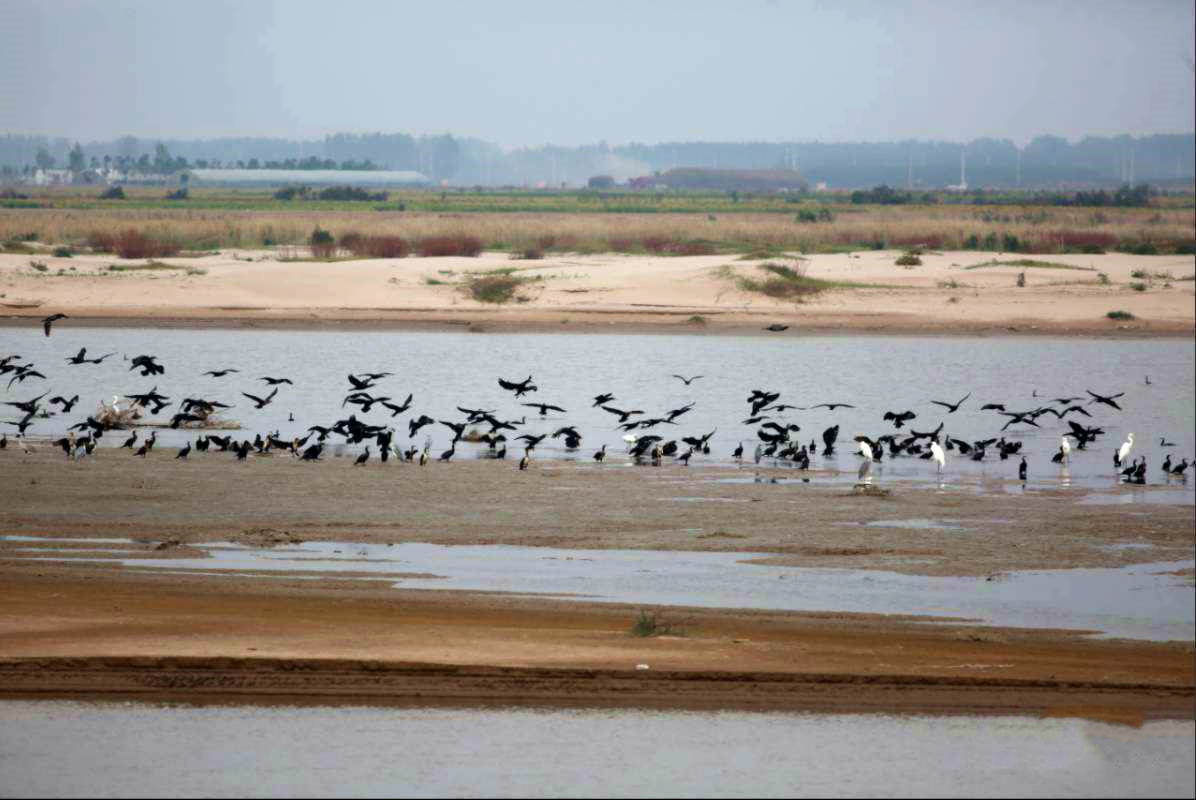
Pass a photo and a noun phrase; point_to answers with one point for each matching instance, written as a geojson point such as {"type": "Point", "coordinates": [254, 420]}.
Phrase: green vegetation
{"type": "Point", "coordinates": [1120, 315]}
{"type": "Point", "coordinates": [497, 287]}
{"type": "Point", "coordinates": [1138, 286]}
{"type": "Point", "coordinates": [786, 283]}
{"type": "Point", "coordinates": [63, 252]}
{"type": "Point", "coordinates": [909, 258]}
{"type": "Point", "coordinates": [40, 266]}
{"type": "Point", "coordinates": [655, 624]}
{"type": "Point", "coordinates": [1030, 263]}
{"type": "Point", "coordinates": [151, 266]}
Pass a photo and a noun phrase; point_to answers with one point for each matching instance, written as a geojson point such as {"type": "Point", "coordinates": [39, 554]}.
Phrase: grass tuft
{"type": "Point", "coordinates": [655, 624]}
{"type": "Point", "coordinates": [1120, 315]}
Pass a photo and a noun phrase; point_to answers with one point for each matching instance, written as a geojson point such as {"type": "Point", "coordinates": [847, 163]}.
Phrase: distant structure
{"type": "Point", "coordinates": [962, 186]}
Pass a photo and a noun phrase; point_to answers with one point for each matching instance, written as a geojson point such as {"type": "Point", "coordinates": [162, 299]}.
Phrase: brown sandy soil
{"type": "Point", "coordinates": [211, 497]}
{"type": "Point", "coordinates": [75, 632]}
{"type": "Point", "coordinates": [617, 293]}
{"type": "Point", "coordinates": [95, 629]}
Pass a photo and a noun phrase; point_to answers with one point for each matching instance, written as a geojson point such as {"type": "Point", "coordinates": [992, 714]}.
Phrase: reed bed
{"type": "Point", "coordinates": [1010, 229]}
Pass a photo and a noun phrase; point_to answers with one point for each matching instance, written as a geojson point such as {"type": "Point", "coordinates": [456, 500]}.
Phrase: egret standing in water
{"type": "Point", "coordinates": [1124, 452]}
{"type": "Point", "coordinates": [936, 453]}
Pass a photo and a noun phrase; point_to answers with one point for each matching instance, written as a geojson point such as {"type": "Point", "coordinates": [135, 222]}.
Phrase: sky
{"type": "Point", "coordinates": [528, 73]}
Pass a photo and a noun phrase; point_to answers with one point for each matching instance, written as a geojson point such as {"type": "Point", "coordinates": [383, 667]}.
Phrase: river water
{"type": "Point", "coordinates": [71, 749]}
{"type": "Point", "coordinates": [447, 370]}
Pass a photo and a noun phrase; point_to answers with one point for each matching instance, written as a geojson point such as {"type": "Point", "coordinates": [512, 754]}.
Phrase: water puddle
{"type": "Point", "coordinates": [1173, 497]}
{"type": "Point", "coordinates": [1142, 601]}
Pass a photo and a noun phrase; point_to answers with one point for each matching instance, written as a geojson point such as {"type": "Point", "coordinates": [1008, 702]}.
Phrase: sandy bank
{"type": "Point", "coordinates": [952, 292]}
{"type": "Point", "coordinates": [75, 633]}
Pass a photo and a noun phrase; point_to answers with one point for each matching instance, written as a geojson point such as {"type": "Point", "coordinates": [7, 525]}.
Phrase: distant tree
{"type": "Point", "coordinates": [76, 161]}
{"type": "Point", "coordinates": [601, 182]}
{"type": "Point", "coordinates": [43, 159]}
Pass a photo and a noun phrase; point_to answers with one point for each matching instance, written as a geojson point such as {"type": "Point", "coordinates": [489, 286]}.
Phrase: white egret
{"type": "Point", "coordinates": [1126, 447]}
{"type": "Point", "coordinates": [1065, 448]}
{"type": "Point", "coordinates": [936, 453]}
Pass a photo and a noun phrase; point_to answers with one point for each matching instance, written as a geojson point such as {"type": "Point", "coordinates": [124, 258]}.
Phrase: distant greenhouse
{"type": "Point", "coordinates": [307, 177]}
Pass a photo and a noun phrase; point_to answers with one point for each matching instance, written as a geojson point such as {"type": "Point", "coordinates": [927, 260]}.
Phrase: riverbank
{"type": "Point", "coordinates": [949, 293]}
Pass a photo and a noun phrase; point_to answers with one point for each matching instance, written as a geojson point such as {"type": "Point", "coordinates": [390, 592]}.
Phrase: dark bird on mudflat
{"type": "Point", "coordinates": [50, 320]}
{"type": "Point", "coordinates": [186, 451]}
{"type": "Point", "coordinates": [364, 457]}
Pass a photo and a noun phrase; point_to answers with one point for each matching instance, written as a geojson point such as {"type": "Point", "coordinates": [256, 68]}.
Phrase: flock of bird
{"type": "Point", "coordinates": [776, 438]}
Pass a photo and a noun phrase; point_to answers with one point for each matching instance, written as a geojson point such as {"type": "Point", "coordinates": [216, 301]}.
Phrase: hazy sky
{"type": "Point", "coordinates": [528, 73]}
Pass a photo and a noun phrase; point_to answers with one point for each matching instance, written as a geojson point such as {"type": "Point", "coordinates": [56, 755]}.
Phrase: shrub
{"type": "Point", "coordinates": [806, 215]}
{"type": "Point", "coordinates": [1141, 249]}
{"type": "Point", "coordinates": [322, 244]}
{"type": "Point", "coordinates": [528, 254]}
{"type": "Point", "coordinates": [101, 241]}
{"type": "Point", "coordinates": [291, 192]}
{"type": "Point", "coordinates": [909, 259]}
{"type": "Point", "coordinates": [40, 266]}
{"type": "Point", "coordinates": [1138, 273]}
{"type": "Point", "coordinates": [655, 624]}
{"type": "Point", "coordinates": [458, 245]}
{"type": "Point", "coordinates": [177, 194]}
{"type": "Point", "coordinates": [132, 243]}
{"type": "Point", "coordinates": [1138, 286]}
{"type": "Point", "coordinates": [494, 287]}
{"type": "Point", "coordinates": [1123, 315]}
{"type": "Point", "coordinates": [351, 193]}
{"type": "Point", "coordinates": [113, 193]}
{"type": "Point", "coordinates": [1103, 278]}
{"type": "Point", "coordinates": [62, 252]}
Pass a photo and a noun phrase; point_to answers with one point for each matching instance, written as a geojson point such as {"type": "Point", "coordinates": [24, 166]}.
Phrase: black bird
{"type": "Point", "coordinates": [220, 373]}
{"type": "Point", "coordinates": [777, 328]}
{"type": "Point", "coordinates": [519, 388]}
{"type": "Point", "coordinates": [458, 429]}
{"type": "Point", "coordinates": [1162, 441]}
{"type": "Point", "coordinates": [262, 402]}
{"type": "Point", "coordinates": [676, 412]}
{"type": "Point", "coordinates": [527, 457]}
{"type": "Point", "coordinates": [1167, 463]}
{"type": "Point", "coordinates": [399, 409]}
{"type": "Point", "coordinates": [447, 455]}
{"type": "Point", "coordinates": [1109, 401]}
{"type": "Point", "coordinates": [276, 381]}
{"type": "Point", "coordinates": [899, 419]}
{"type": "Point", "coordinates": [532, 441]}
{"type": "Point", "coordinates": [545, 408]}
{"type": "Point", "coordinates": [186, 451]}
{"type": "Point", "coordinates": [50, 320]}
{"type": "Point", "coordinates": [602, 399]}
{"type": "Point", "coordinates": [1021, 470]}
{"type": "Point", "coordinates": [1026, 417]}
{"type": "Point", "coordinates": [28, 406]}
{"type": "Point", "coordinates": [415, 424]}
{"type": "Point", "coordinates": [132, 440]}
{"type": "Point", "coordinates": [361, 384]}
{"type": "Point", "coordinates": [601, 454]}
{"type": "Point", "coordinates": [148, 365]}
{"type": "Point", "coordinates": [151, 398]}
{"type": "Point", "coordinates": [81, 357]}
{"type": "Point", "coordinates": [687, 381]}
{"type": "Point", "coordinates": [738, 453]}
{"type": "Point", "coordinates": [993, 407]}
{"type": "Point", "coordinates": [181, 417]}
{"type": "Point", "coordinates": [829, 436]}
{"type": "Point", "coordinates": [1179, 470]}
{"type": "Point", "coordinates": [23, 372]}
{"type": "Point", "coordinates": [622, 415]}
{"type": "Point", "coordinates": [312, 453]}
{"type": "Point", "coordinates": [754, 420]}
{"type": "Point", "coordinates": [952, 407]}
{"type": "Point", "coordinates": [364, 457]}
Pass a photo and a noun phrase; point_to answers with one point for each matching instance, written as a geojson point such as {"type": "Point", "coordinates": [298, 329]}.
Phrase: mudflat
{"type": "Point", "coordinates": [95, 629]}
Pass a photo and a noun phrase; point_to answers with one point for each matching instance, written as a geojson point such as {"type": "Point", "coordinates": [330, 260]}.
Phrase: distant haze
{"type": "Point", "coordinates": [529, 73]}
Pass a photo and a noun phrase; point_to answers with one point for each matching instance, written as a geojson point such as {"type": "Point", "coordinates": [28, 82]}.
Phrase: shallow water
{"type": "Point", "coordinates": [445, 370]}
{"type": "Point", "coordinates": [1139, 602]}
{"type": "Point", "coordinates": [69, 749]}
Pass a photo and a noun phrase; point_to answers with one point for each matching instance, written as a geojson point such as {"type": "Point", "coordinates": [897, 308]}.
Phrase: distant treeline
{"type": "Point", "coordinates": [1047, 162]}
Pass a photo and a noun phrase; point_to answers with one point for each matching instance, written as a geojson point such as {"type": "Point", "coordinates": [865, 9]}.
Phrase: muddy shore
{"type": "Point", "coordinates": [94, 629]}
